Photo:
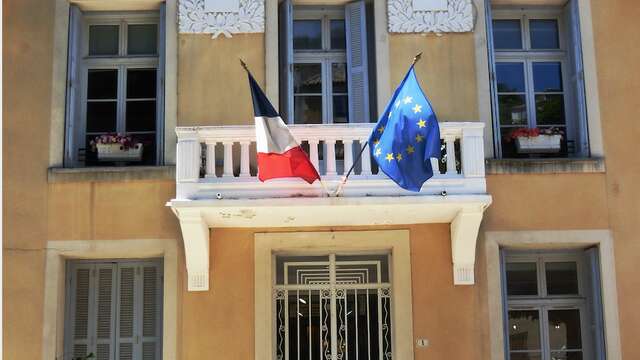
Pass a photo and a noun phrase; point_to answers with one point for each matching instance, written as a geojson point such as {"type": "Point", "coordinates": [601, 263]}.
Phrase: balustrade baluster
{"type": "Point", "coordinates": [228, 159]}
{"type": "Point", "coordinates": [366, 159]}
{"type": "Point", "coordinates": [330, 156]}
{"type": "Point", "coordinates": [244, 159]}
{"type": "Point", "coordinates": [210, 160]}
{"type": "Point", "coordinates": [313, 153]}
{"type": "Point", "coordinates": [348, 155]}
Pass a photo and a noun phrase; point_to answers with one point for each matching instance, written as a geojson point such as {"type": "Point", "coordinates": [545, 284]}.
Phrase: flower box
{"type": "Point", "coordinates": [118, 152]}
{"type": "Point", "coordinates": [538, 144]}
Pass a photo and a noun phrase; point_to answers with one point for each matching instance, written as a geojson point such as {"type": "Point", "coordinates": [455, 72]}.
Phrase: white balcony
{"type": "Point", "coordinates": [217, 186]}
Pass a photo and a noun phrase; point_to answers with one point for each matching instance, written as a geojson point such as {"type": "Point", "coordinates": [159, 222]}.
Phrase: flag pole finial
{"type": "Point", "coordinates": [416, 58]}
{"type": "Point", "coordinates": [244, 65]}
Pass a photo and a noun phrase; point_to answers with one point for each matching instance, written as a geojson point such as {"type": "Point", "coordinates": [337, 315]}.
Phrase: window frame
{"type": "Point", "coordinates": [122, 63]}
{"type": "Point", "coordinates": [543, 302]}
{"type": "Point", "coordinates": [528, 57]}
{"type": "Point", "coordinates": [325, 56]}
{"type": "Point", "coordinates": [69, 299]}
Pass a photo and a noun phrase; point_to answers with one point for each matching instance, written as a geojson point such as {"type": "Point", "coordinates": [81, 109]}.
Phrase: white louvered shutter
{"type": "Point", "coordinates": [576, 75]}
{"type": "Point", "coordinates": [81, 297]}
{"type": "Point", "coordinates": [160, 83]}
{"type": "Point", "coordinates": [126, 323]}
{"type": "Point", "coordinates": [105, 290]}
{"type": "Point", "coordinates": [151, 311]}
{"type": "Point", "coordinates": [73, 141]}
{"type": "Point", "coordinates": [357, 69]}
{"type": "Point", "coordinates": [285, 55]}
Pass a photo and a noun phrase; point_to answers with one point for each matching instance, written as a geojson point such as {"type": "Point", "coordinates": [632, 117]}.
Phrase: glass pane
{"type": "Point", "coordinates": [525, 356]}
{"type": "Point", "coordinates": [550, 109]}
{"type": "Point", "coordinates": [141, 115]}
{"type": "Point", "coordinates": [307, 109]}
{"type": "Point", "coordinates": [562, 278]}
{"type": "Point", "coordinates": [307, 78]}
{"type": "Point", "coordinates": [513, 110]}
{"type": "Point", "coordinates": [522, 278]}
{"type": "Point", "coordinates": [102, 84]}
{"type": "Point", "coordinates": [338, 39]}
{"type": "Point", "coordinates": [142, 39]}
{"type": "Point", "coordinates": [573, 355]}
{"type": "Point", "coordinates": [506, 34]}
{"type": "Point", "coordinates": [101, 116]}
{"type": "Point", "coordinates": [297, 267]}
{"type": "Point", "coordinates": [339, 78]}
{"type": "Point", "coordinates": [564, 329]}
{"type": "Point", "coordinates": [524, 330]}
{"type": "Point", "coordinates": [544, 34]}
{"type": "Point", "coordinates": [547, 77]}
{"type": "Point", "coordinates": [307, 34]}
{"type": "Point", "coordinates": [103, 39]}
{"type": "Point", "coordinates": [510, 77]}
{"type": "Point", "coordinates": [141, 83]}
{"type": "Point", "coordinates": [340, 109]}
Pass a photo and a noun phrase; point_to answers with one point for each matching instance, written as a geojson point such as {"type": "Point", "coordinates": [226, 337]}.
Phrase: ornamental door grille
{"type": "Point", "coordinates": [333, 307]}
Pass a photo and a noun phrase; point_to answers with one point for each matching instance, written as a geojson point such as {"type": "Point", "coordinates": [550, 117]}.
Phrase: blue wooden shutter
{"type": "Point", "coordinates": [285, 54]}
{"type": "Point", "coordinates": [357, 70]}
{"type": "Point", "coordinates": [160, 87]}
{"type": "Point", "coordinates": [595, 302]}
{"type": "Point", "coordinates": [73, 141]}
{"type": "Point", "coordinates": [492, 82]}
{"type": "Point", "coordinates": [576, 75]}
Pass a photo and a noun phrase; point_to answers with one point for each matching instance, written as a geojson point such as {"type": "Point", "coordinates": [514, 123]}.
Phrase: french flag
{"type": "Point", "coordinates": [279, 155]}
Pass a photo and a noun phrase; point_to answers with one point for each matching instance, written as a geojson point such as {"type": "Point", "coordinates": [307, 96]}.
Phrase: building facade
{"type": "Point", "coordinates": [522, 246]}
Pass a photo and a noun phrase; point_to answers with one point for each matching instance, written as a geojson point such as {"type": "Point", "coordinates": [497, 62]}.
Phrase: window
{"type": "Point", "coordinates": [114, 310]}
{"type": "Point", "coordinates": [335, 306]}
{"type": "Point", "coordinates": [552, 306]}
{"type": "Point", "coordinates": [323, 64]}
{"type": "Point", "coordinates": [115, 73]}
{"type": "Point", "coordinates": [537, 83]}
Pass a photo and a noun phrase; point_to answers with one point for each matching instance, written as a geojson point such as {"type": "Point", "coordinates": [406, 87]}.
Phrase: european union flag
{"type": "Point", "coordinates": [407, 136]}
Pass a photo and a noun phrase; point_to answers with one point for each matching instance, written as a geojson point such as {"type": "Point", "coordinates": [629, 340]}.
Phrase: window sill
{"type": "Point", "coordinates": [99, 174]}
{"type": "Point", "coordinates": [544, 166]}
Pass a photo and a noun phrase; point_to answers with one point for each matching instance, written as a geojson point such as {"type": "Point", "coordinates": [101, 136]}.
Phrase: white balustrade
{"type": "Point", "coordinates": [239, 175]}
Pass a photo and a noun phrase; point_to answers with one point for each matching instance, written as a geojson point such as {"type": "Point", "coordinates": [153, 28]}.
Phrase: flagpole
{"type": "Point", "coordinates": [344, 179]}
{"type": "Point", "coordinates": [326, 191]}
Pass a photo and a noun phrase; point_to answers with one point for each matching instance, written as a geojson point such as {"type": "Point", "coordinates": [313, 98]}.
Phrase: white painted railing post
{"type": "Point", "coordinates": [228, 159]}
{"type": "Point", "coordinates": [244, 159]}
{"type": "Point", "coordinates": [348, 154]}
{"type": "Point", "coordinates": [188, 153]}
{"type": "Point", "coordinates": [366, 158]}
{"type": "Point", "coordinates": [450, 142]}
{"type": "Point", "coordinates": [313, 153]}
{"type": "Point", "coordinates": [210, 163]}
{"type": "Point", "coordinates": [472, 151]}
{"type": "Point", "coordinates": [330, 156]}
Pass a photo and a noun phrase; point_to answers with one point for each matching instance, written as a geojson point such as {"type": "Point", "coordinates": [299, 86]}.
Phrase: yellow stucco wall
{"type": "Point", "coordinates": [212, 89]}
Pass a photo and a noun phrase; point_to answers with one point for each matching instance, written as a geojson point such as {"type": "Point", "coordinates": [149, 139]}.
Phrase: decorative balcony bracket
{"type": "Point", "coordinates": [195, 233]}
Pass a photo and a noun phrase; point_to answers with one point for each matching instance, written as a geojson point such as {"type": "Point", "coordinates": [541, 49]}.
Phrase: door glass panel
{"type": "Point", "coordinates": [307, 78]}
{"type": "Point", "coordinates": [103, 39]}
{"type": "Point", "coordinates": [522, 278]}
{"type": "Point", "coordinates": [339, 78]}
{"type": "Point", "coordinates": [141, 103]}
{"type": "Point", "coordinates": [544, 34]}
{"type": "Point", "coordinates": [550, 109]}
{"type": "Point", "coordinates": [101, 116]}
{"type": "Point", "coordinates": [524, 330]}
{"type": "Point", "coordinates": [102, 84]}
{"type": "Point", "coordinates": [340, 109]}
{"type": "Point", "coordinates": [307, 34]}
{"type": "Point", "coordinates": [338, 39]}
{"type": "Point", "coordinates": [564, 329]}
{"type": "Point", "coordinates": [513, 109]}
{"type": "Point", "coordinates": [572, 355]}
{"type": "Point", "coordinates": [510, 77]}
{"type": "Point", "coordinates": [307, 109]}
{"type": "Point", "coordinates": [141, 84]}
{"type": "Point", "coordinates": [547, 77]}
{"type": "Point", "coordinates": [562, 278]}
{"type": "Point", "coordinates": [507, 34]}
{"type": "Point", "coordinates": [142, 39]}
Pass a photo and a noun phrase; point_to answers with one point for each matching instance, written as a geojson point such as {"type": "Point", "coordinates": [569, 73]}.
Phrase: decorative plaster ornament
{"type": "Point", "coordinates": [194, 19]}
{"type": "Point", "coordinates": [404, 18]}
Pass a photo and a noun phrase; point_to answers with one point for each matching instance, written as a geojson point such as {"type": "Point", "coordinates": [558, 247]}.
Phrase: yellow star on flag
{"type": "Point", "coordinates": [389, 157]}
{"type": "Point", "coordinates": [399, 156]}
{"type": "Point", "coordinates": [381, 129]}
{"type": "Point", "coordinates": [410, 149]}
{"type": "Point", "coordinates": [421, 123]}
{"type": "Point", "coordinates": [416, 109]}
{"type": "Point", "coordinates": [378, 152]}
{"type": "Point", "coordinates": [419, 138]}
